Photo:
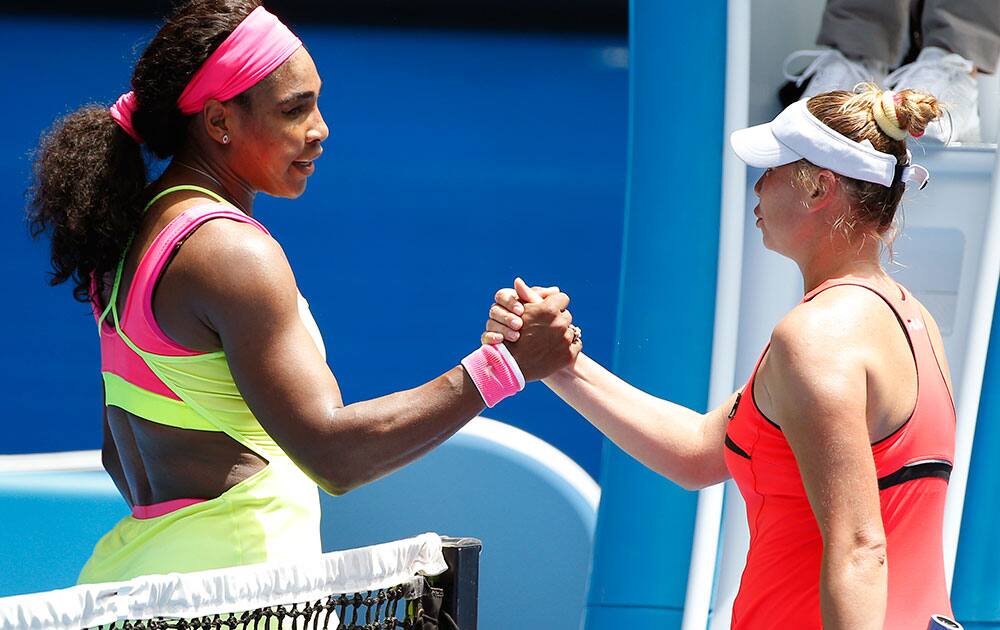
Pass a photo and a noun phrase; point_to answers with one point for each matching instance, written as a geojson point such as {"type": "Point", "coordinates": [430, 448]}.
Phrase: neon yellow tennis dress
{"type": "Point", "coordinates": [272, 515]}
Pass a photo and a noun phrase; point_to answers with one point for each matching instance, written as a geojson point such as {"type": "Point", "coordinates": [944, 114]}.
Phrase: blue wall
{"type": "Point", "coordinates": [438, 139]}
{"type": "Point", "coordinates": [976, 589]}
{"type": "Point", "coordinates": [667, 307]}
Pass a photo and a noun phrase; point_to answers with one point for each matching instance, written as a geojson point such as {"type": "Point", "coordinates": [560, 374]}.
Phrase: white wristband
{"type": "Point", "coordinates": [514, 367]}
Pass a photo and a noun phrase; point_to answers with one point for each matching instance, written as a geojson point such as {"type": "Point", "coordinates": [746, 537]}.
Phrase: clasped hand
{"type": "Point", "coordinates": [536, 327]}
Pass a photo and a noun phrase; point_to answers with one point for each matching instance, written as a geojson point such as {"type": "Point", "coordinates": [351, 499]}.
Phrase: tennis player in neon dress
{"type": "Point", "coordinates": [221, 414]}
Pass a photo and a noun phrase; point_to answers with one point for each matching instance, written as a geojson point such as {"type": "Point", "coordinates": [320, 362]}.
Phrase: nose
{"type": "Point", "coordinates": [756, 186]}
{"type": "Point", "coordinates": [318, 131]}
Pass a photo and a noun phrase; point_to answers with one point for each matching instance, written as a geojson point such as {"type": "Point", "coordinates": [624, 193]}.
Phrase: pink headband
{"type": "Point", "coordinates": [252, 51]}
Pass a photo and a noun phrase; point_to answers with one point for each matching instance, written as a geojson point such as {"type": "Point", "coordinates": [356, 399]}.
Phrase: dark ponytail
{"type": "Point", "coordinates": [90, 176]}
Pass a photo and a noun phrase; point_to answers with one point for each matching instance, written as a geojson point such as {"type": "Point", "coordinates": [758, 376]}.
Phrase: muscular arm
{"type": "Point", "coordinates": [247, 294]}
{"type": "Point", "coordinates": [816, 377]}
{"type": "Point", "coordinates": [681, 444]}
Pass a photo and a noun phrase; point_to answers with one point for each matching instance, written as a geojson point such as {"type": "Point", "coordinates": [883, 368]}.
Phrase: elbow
{"type": "Point", "coordinates": [334, 488]}
{"type": "Point", "coordinates": [862, 549]}
{"type": "Point", "coordinates": [343, 463]}
{"type": "Point", "coordinates": [699, 464]}
{"type": "Point", "coordinates": [872, 546]}
{"type": "Point", "coordinates": [695, 472]}
{"type": "Point", "coordinates": [692, 485]}
{"type": "Point", "coordinates": [695, 482]}
{"type": "Point", "coordinates": [869, 541]}
{"type": "Point", "coordinates": [346, 475]}
{"type": "Point", "coordinates": [340, 481]}
{"type": "Point", "coordinates": [688, 478]}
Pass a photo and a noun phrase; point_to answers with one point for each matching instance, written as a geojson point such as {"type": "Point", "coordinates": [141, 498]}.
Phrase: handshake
{"type": "Point", "coordinates": [529, 335]}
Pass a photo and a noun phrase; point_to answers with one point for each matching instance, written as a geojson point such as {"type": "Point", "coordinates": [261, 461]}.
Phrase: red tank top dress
{"type": "Point", "coordinates": [780, 584]}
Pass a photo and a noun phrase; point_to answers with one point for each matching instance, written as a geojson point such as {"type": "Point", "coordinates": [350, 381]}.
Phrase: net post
{"type": "Point", "coordinates": [461, 581]}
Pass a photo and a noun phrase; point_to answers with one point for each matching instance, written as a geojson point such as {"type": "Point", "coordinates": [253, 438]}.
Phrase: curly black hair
{"type": "Point", "coordinates": [90, 176]}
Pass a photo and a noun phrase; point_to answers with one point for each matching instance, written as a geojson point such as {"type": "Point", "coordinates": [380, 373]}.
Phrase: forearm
{"type": "Point", "coordinates": [372, 438]}
{"type": "Point", "coordinates": [853, 587]}
{"type": "Point", "coordinates": [666, 437]}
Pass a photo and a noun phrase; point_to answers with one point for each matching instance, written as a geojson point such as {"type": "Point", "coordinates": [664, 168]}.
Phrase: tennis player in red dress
{"type": "Point", "coordinates": [842, 440]}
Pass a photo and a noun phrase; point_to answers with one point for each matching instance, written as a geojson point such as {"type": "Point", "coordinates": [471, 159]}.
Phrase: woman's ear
{"type": "Point", "coordinates": [217, 121]}
{"type": "Point", "coordinates": [823, 189]}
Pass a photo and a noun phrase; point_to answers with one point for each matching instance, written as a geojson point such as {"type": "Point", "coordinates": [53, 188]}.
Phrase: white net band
{"type": "Point", "coordinates": [229, 590]}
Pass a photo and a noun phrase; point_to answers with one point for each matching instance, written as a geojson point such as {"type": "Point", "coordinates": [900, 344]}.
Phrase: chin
{"type": "Point", "coordinates": [296, 187]}
{"type": "Point", "coordinates": [291, 191]}
{"type": "Point", "coordinates": [777, 249]}
{"type": "Point", "coordinates": [766, 242]}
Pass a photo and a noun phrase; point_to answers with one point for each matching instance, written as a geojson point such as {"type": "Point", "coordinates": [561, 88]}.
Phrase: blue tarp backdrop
{"type": "Point", "coordinates": [456, 160]}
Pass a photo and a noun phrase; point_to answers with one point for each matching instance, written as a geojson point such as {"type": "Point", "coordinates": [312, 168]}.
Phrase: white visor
{"type": "Point", "coordinates": [796, 134]}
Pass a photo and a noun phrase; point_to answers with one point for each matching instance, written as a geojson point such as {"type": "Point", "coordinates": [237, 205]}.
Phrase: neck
{"type": "Point", "coordinates": [843, 257]}
{"type": "Point", "coordinates": [215, 176]}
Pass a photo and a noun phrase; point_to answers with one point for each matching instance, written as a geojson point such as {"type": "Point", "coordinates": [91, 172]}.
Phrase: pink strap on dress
{"type": "Point", "coordinates": [159, 509]}
{"type": "Point", "coordinates": [138, 322]}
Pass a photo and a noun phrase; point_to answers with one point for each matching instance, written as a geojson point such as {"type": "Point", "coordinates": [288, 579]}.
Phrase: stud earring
{"type": "Point", "coordinates": [225, 138]}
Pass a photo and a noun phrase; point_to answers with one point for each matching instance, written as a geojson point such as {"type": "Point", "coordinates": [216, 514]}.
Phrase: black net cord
{"type": "Point", "coordinates": [384, 609]}
{"type": "Point", "coordinates": [449, 602]}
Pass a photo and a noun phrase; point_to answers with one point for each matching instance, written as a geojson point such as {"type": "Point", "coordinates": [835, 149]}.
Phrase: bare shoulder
{"type": "Point", "coordinates": [833, 323]}
{"type": "Point", "coordinates": [819, 387]}
{"type": "Point", "coordinates": [820, 352]}
{"type": "Point", "coordinates": [229, 265]}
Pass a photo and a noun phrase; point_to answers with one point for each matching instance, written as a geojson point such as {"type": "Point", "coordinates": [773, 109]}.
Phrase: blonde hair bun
{"type": "Point", "coordinates": [884, 111]}
{"type": "Point", "coordinates": [883, 119]}
{"type": "Point", "coordinates": [908, 111]}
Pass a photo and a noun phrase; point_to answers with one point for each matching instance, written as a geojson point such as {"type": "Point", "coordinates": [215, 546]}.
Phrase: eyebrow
{"type": "Point", "coordinates": [298, 96]}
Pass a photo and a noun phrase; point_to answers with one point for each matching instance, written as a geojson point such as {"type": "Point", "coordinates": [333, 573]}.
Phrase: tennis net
{"type": "Point", "coordinates": [421, 583]}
